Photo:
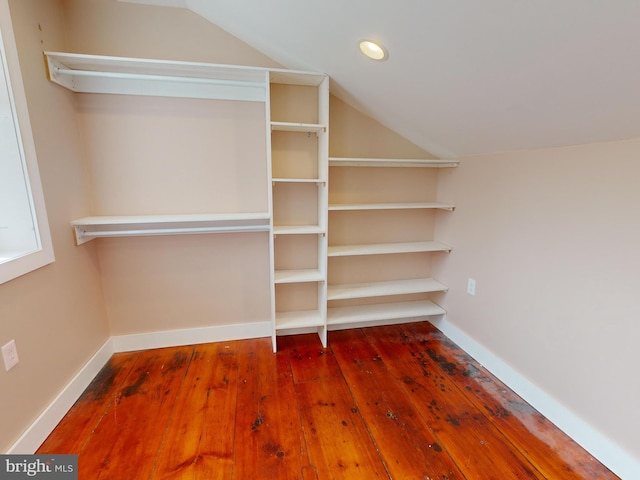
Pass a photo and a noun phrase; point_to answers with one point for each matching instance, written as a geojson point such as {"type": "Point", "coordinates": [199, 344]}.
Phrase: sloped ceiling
{"type": "Point", "coordinates": [463, 76]}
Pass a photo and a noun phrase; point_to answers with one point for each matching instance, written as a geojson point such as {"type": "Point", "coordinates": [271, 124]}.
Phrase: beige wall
{"type": "Point", "coordinates": [353, 134]}
{"type": "Point", "coordinates": [108, 27]}
{"type": "Point", "coordinates": [551, 237]}
{"type": "Point", "coordinates": [57, 313]}
{"type": "Point", "coordinates": [153, 155]}
{"type": "Point", "coordinates": [149, 155]}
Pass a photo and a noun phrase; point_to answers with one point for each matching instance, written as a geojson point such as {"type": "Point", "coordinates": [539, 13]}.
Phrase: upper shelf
{"type": "Point", "coordinates": [296, 77]}
{"type": "Point", "coordinates": [166, 78]}
{"type": "Point", "coordinates": [317, 181]}
{"type": "Point", "coordinates": [381, 289]}
{"type": "Point", "coordinates": [392, 206]}
{"type": "Point", "coordinates": [391, 162]}
{"type": "Point", "coordinates": [89, 228]}
{"type": "Point", "coordinates": [386, 248]}
{"type": "Point", "coordinates": [298, 127]}
{"type": "Point", "coordinates": [298, 230]}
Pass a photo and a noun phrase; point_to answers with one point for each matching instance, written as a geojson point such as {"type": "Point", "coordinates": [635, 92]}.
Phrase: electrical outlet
{"type": "Point", "coordinates": [471, 286]}
{"type": "Point", "coordinates": [10, 355]}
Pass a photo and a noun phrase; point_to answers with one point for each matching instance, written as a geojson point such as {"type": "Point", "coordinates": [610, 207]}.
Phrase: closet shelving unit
{"type": "Point", "coordinates": [133, 76]}
{"type": "Point", "coordinates": [340, 315]}
{"type": "Point", "coordinates": [299, 117]}
{"type": "Point", "coordinates": [297, 124]}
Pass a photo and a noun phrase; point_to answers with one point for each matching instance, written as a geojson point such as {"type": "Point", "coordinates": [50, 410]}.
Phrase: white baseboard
{"type": "Point", "coordinates": [40, 429]}
{"type": "Point", "coordinates": [619, 461]}
{"type": "Point", "coordinates": [190, 336]}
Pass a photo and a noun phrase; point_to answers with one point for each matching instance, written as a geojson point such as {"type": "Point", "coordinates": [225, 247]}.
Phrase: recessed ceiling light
{"type": "Point", "coordinates": [373, 50]}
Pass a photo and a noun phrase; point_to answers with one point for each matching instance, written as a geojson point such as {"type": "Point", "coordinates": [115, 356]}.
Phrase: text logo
{"type": "Point", "coordinates": [50, 467]}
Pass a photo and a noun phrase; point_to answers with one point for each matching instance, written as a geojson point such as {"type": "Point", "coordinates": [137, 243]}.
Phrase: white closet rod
{"type": "Point", "coordinates": [175, 231]}
{"type": "Point", "coordinates": [145, 76]}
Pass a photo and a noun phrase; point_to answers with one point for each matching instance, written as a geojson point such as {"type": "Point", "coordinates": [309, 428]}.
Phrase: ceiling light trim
{"type": "Point", "coordinates": [373, 50]}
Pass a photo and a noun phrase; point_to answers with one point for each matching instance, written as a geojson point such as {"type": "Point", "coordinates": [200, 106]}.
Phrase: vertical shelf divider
{"type": "Point", "coordinates": [269, 166]}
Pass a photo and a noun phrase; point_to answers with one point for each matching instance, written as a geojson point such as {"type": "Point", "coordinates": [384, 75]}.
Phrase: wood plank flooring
{"type": "Point", "coordinates": [393, 402]}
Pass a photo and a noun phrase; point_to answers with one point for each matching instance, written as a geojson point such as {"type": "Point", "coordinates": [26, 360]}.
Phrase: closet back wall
{"type": "Point", "coordinates": [154, 156]}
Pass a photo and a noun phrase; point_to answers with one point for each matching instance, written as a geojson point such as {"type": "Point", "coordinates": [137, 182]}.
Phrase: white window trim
{"type": "Point", "coordinates": [44, 256]}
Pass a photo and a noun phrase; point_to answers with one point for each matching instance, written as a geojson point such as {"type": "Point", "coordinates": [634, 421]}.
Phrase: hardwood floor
{"type": "Point", "coordinates": [400, 402]}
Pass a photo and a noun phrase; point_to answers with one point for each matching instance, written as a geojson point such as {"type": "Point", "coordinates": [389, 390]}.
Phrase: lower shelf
{"type": "Point", "coordinates": [298, 276]}
{"type": "Point", "coordinates": [386, 311]}
{"type": "Point", "coordinates": [298, 319]}
{"type": "Point", "coordinates": [297, 229]}
{"type": "Point", "coordinates": [378, 289]}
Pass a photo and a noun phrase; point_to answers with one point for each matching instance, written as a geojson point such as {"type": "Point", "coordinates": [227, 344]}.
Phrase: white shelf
{"type": "Point", "coordinates": [380, 289]}
{"type": "Point", "coordinates": [298, 276]}
{"type": "Point", "coordinates": [382, 311]}
{"type": "Point", "coordinates": [296, 77]}
{"type": "Point", "coordinates": [297, 229]}
{"type": "Point", "coordinates": [387, 248]}
{"type": "Point", "coordinates": [392, 206]}
{"type": "Point", "coordinates": [298, 127]}
{"type": "Point", "coordinates": [317, 181]}
{"type": "Point", "coordinates": [135, 76]}
{"type": "Point", "coordinates": [299, 319]}
{"type": "Point", "coordinates": [89, 228]}
{"type": "Point", "coordinates": [391, 162]}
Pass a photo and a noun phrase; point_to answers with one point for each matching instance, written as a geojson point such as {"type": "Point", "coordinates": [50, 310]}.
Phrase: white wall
{"type": "Point", "coordinates": [551, 237]}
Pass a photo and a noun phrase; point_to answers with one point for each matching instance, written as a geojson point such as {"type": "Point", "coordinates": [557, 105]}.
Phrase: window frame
{"type": "Point", "coordinates": [44, 255]}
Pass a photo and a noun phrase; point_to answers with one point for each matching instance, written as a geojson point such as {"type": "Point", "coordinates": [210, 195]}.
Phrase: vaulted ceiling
{"type": "Point", "coordinates": [463, 76]}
